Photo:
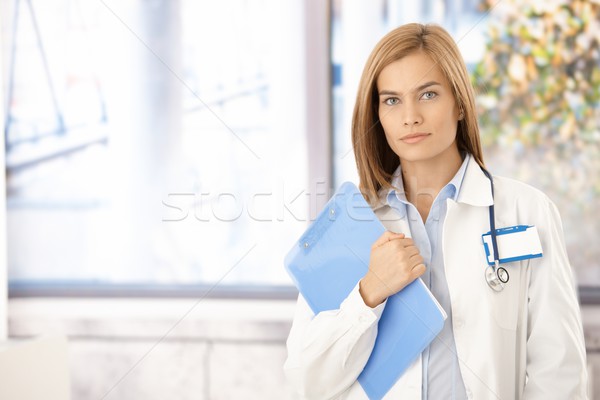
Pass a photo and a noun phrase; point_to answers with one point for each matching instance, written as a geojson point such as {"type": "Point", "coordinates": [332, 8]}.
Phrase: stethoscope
{"type": "Point", "coordinates": [495, 276]}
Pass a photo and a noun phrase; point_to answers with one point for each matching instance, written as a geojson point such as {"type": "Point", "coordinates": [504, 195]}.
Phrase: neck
{"type": "Point", "coordinates": [423, 179]}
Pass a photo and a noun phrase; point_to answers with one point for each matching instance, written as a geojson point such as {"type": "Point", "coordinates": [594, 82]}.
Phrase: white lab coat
{"type": "Point", "coordinates": [525, 342]}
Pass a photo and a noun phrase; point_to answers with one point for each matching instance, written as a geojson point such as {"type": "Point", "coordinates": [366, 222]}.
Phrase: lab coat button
{"type": "Point", "coordinates": [459, 323]}
{"type": "Point", "coordinates": [469, 393]}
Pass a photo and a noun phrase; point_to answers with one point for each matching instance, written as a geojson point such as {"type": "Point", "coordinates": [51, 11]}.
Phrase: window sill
{"type": "Point", "coordinates": [168, 319]}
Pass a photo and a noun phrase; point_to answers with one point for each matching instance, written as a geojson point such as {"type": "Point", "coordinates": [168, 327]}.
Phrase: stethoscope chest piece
{"type": "Point", "coordinates": [496, 277]}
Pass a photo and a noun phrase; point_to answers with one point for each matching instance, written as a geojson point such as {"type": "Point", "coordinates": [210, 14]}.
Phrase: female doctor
{"type": "Point", "coordinates": [420, 163]}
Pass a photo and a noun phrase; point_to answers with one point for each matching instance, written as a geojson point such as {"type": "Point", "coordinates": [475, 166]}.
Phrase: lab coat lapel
{"type": "Point", "coordinates": [475, 189]}
{"type": "Point", "coordinates": [464, 262]}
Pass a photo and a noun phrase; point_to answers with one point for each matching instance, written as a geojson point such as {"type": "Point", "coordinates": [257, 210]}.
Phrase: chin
{"type": "Point", "coordinates": [424, 153]}
{"type": "Point", "coordinates": [416, 155]}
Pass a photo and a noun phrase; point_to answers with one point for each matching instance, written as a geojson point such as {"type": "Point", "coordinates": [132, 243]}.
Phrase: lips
{"type": "Point", "coordinates": [414, 137]}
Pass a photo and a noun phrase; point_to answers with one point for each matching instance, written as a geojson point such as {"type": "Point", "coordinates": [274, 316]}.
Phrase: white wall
{"type": "Point", "coordinates": [155, 349]}
{"type": "Point", "coordinates": [3, 282]}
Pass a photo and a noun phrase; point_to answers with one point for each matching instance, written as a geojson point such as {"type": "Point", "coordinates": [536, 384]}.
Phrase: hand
{"type": "Point", "coordinates": [395, 262]}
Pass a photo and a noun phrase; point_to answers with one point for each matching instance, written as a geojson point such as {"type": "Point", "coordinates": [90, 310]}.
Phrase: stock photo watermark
{"type": "Point", "coordinates": [279, 205]}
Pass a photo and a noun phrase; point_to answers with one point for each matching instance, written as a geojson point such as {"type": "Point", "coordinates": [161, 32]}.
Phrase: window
{"type": "Point", "coordinates": [154, 143]}
{"type": "Point", "coordinates": [171, 144]}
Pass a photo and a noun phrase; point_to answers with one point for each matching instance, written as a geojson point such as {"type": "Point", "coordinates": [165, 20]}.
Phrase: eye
{"type": "Point", "coordinates": [429, 95]}
{"type": "Point", "coordinates": [391, 101]}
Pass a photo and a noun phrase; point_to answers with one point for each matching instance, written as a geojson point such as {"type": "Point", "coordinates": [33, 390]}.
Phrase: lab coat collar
{"type": "Point", "coordinates": [475, 189]}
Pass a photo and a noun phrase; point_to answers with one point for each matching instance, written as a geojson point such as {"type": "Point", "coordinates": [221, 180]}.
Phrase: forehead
{"type": "Point", "coordinates": [409, 72]}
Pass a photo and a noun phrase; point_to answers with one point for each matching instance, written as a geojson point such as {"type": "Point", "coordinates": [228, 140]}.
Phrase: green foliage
{"type": "Point", "coordinates": [538, 84]}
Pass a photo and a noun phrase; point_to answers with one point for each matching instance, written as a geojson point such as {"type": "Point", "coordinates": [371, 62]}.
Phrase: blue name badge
{"type": "Point", "coordinates": [515, 243]}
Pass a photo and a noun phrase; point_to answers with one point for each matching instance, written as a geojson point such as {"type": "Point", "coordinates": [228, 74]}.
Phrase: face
{"type": "Point", "coordinates": [417, 109]}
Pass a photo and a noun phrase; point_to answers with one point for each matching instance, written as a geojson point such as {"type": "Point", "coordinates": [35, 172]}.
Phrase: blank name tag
{"type": "Point", "coordinates": [515, 243]}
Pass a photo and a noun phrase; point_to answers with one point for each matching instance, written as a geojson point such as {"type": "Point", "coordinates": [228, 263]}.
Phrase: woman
{"type": "Point", "coordinates": [420, 164]}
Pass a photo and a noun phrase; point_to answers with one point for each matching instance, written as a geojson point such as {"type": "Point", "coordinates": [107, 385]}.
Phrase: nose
{"type": "Point", "coordinates": [411, 116]}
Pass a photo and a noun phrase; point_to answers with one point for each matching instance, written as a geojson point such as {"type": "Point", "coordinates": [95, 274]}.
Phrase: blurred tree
{"type": "Point", "coordinates": [538, 84]}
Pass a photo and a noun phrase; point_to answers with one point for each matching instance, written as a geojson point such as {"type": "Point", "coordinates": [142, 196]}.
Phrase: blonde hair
{"type": "Point", "coordinates": [375, 160]}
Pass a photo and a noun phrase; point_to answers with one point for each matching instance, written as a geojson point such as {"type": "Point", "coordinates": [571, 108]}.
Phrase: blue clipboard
{"type": "Point", "coordinates": [327, 263]}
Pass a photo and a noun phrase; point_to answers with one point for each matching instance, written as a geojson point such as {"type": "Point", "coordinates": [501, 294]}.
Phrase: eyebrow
{"type": "Point", "coordinates": [417, 89]}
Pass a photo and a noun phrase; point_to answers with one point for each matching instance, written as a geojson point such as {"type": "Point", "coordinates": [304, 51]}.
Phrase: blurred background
{"type": "Point", "coordinates": [162, 157]}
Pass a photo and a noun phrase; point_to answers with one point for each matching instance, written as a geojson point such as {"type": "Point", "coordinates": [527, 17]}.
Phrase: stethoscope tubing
{"type": "Point", "coordinates": [495, 276]}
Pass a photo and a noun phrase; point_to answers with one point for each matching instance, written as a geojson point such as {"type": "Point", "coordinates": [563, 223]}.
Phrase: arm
{"type": "Point", "coordinates": [327, 352]}
{"type": "Point", "coordinates": [556, 360]}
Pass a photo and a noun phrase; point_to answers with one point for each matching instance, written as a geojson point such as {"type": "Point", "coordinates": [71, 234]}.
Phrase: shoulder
{"type": "Point", "coordinates": [523, 202]}
{"type": "Point", "coordinates": [517, 191]}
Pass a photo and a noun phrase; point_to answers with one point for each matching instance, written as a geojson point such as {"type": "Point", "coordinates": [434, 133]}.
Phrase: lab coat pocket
{"type": "Point", "coordinates": [505, 304]}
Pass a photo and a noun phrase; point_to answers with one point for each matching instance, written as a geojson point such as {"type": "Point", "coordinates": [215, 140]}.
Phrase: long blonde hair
{"type": "Point", "coordinates": [375, 160]}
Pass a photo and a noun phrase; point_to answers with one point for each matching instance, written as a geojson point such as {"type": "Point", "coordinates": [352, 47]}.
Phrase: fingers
{"type": "Point", "coordinates": [407, 242]}
{"type": "Point", "coordinates": [386, 237]}
{"type": "Point", "coordinates": [416, 259]}
{"type": "Point", "coordinates": [411, 251]}
{"type": "Point", "coordinates": [418, 270]}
